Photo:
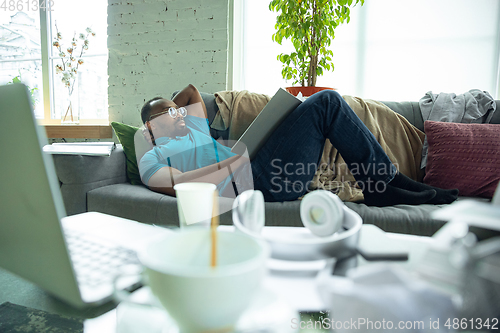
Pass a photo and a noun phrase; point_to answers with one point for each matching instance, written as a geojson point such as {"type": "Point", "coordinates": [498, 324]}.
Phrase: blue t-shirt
{"type": "Point", "coordinates": [195, 150]}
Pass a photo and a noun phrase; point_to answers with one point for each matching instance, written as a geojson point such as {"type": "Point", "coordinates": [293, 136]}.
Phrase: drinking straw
{"type": "Point", "coordinates": [213, 226]}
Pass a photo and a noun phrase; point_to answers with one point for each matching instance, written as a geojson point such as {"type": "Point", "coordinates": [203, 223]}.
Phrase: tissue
{"type": "Point", "coordinates": [381, 298]}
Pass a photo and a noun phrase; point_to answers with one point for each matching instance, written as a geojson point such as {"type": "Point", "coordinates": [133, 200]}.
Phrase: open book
{"type": "Point", "coordinates": [266, 122]}
{"type": "Point", "coordinates": [81, 148]}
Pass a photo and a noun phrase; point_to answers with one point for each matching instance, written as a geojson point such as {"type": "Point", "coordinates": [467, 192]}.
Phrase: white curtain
{"type": "Point", "coordinates": [391, 50]}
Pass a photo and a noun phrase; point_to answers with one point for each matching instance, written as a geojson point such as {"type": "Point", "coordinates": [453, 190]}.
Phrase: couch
{"type": "Point", "coordinates": [90, 183]}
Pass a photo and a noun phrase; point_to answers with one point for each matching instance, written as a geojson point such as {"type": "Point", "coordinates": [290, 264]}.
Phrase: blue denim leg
{"type": "Point", "coordinates": [287, 162]}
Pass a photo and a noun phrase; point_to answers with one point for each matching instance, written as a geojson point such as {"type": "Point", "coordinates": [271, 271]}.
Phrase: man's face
{"type": "Point", "coordinates": [164, 124]}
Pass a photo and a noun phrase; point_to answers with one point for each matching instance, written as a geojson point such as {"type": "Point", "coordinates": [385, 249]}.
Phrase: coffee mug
{"type": "Point", "coordinates": [197, 296]}
{"type": "Point", "coordinates": [194, 203]}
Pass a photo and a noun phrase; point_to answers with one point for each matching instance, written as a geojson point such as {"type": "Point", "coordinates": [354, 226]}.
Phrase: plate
{"type": "Point", "coordinates": [296, 266]}
{"type": "Point", "coordinates": [266, 313]}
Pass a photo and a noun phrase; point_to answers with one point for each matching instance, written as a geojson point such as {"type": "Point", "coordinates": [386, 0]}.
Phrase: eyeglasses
{"type": "Point", "coordinates": [173, 112]}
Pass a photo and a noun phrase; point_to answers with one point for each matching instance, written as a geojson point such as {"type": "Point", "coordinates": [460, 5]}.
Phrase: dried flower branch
{"type": "Point", "coordinates": [66, 61]}
{"type": "Point", "coordinates": [69, 64]}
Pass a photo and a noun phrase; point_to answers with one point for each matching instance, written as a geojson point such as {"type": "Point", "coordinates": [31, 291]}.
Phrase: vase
{"type": "Point", "coordinates": [306, 91]}
{"type": "Point", "coordinates": [71, 113]}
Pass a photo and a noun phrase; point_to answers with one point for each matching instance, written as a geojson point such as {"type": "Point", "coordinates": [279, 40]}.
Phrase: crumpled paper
{"type": "Point", "coordinates": [381, 298]}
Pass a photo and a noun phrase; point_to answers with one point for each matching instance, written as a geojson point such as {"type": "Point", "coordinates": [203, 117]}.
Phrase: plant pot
{"type": "Point", "coordinates": [306, 91]}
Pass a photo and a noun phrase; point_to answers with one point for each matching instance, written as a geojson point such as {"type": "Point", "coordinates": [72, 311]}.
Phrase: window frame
{"type": "Point", "coordinates": [48, 75]}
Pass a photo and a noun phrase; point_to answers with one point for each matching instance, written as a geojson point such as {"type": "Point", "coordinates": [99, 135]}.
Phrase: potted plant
{"type": "Point", "coordinates": [310, 25]}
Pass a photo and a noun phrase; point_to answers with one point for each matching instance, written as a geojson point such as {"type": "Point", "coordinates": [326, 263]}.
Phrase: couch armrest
{"type": "Point", "coordinates": [79, 174]}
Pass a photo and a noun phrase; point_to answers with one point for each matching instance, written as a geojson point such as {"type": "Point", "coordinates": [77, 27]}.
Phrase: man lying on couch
{"type": "Point", "coordinates": [182, 140]}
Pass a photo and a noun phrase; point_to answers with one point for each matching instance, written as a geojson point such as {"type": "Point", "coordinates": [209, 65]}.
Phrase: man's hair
{"type": "Point", "coordinates": [146, 109]}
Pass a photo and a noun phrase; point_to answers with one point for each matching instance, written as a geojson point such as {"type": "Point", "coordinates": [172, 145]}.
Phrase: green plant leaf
{"type": "Point", "coordinates": [310, 26]}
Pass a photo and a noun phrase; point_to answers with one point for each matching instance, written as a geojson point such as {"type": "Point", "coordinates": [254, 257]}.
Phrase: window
{"type": "Point", "coordinates": [391, 49]}
{"type": "Point", "coordinates": [20, 52]}
{"type": "Point", "coordinates": [22, 49]}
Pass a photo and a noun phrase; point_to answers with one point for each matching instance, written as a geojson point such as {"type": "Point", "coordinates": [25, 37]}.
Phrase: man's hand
{"type": "Point", "coordinates": [164, 179]}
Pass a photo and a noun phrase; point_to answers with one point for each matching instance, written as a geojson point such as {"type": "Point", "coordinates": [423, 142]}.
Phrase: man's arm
{"type": "Point", "coordinates": [164, 179]}
{"type": "Point", "coordinates": [191, 95]}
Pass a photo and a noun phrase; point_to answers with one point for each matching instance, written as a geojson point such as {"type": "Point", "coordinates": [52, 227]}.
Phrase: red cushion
{"type": "Point", "coordinates": [463, 156]}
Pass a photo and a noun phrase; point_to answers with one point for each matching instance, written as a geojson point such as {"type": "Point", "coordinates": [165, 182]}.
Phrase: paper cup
{"type": "Point", "coordinates": [194, 203]}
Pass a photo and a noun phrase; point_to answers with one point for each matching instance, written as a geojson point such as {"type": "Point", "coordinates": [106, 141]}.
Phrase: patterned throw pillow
{"type": "Point", "coordinates": [463, 156]}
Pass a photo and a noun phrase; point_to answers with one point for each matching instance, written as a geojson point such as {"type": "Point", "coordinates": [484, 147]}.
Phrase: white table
{"type": "Point", "coordinates": [292, 283]}
{"type": "Point", "coordinates": [298, 287]}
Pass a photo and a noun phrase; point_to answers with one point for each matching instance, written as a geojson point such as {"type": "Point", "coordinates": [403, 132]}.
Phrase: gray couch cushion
{"type": "Point", "coordinates": [409, 110]}
{"type": "Point", "coordinates": [134, 202]}
{"type": "Point", "coordinates": [138, 203]}
{"type": "Point", "coordinates": [407, 219]}
{"type": "Point", "coordinates": [496, 116]}
{"type": "Point", "coordinates": [75, 195]}
{"type": "Point", "coordinates": [79, 174]}
{"type": "Point", "coordinates": [78, 169]}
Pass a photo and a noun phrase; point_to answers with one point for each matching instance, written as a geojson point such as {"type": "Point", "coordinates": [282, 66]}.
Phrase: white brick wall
{"type": "Point", "coordinates": [153, 51]}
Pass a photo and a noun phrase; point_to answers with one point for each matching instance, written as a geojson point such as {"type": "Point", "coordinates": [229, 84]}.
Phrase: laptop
{"type": "Point", "coordinates": [33, 243]}
{"type": "Point", "coordinates": [257, 133]}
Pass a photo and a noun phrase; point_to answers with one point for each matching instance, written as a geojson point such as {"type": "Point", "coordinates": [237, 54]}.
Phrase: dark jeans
{"type": "Point", "coordinates": [286, 164]}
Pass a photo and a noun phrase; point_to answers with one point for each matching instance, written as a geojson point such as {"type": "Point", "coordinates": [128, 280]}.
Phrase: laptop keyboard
{"type": "Point", "coordinates": [97, 262]}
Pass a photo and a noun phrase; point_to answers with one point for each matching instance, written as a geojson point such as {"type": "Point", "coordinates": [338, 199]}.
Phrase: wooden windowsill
{"type": "Point", "coordinates": [79, 131]}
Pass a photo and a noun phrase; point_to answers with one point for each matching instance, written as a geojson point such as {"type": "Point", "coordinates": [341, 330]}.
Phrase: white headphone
{"type": "Point", "coordinates": [320, 211]}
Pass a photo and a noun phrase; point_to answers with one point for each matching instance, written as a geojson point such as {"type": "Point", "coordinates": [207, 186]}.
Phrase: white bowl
{"type": "Point", "coordinates": [197, 296]}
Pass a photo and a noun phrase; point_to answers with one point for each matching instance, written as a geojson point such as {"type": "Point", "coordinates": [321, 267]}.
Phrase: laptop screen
{"type": "Point", "coordinates": [31, 241]}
